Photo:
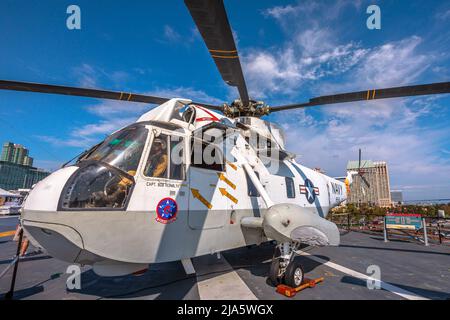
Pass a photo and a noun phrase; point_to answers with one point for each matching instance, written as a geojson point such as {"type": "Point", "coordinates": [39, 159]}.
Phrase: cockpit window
{"type": "Point", "coordinates": [158, 160]}
{"type": "Point", "coordinates": [166, 158]}
{"type": "Point", "coordinates": [122, 149]}
{"type": "Point", "coordinates": [188, 114]}
{"type": "Point", "coordinates": [97, 186]}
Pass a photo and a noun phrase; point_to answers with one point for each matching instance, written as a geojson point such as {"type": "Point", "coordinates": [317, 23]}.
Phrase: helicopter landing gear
{"type": "Point", "coordinates": [285, 269]}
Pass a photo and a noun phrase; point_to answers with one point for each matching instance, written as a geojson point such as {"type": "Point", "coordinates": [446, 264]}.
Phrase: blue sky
{"type": "Point", "coordinates": [290, 51]}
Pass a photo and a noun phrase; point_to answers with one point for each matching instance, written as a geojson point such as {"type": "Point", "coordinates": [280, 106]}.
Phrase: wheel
{"type": "Point", "coordinates": [274, 272]}
{"type": "Point", "coordinates": [294, 274]}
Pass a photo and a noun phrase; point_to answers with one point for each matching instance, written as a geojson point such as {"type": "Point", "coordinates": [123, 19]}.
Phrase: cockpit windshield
{"type": "Point", "coordinates": [122, 149]}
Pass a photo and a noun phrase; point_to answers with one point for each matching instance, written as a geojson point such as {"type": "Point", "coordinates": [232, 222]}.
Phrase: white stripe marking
{"type": "Point", "coordinates": [227, 286]}
{"type": "Point", "coordinates": [188, 266]}
{"type": "Point", "coordinates": [386, 286]}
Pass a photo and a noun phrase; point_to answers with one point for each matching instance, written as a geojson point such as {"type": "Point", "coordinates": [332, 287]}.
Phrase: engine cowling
{"type": "Point", "coordinates": [290, 222]}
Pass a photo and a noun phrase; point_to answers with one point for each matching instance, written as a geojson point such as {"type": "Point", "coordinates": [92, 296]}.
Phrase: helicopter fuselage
{"type": "Point", "coordinates": [191, 210]}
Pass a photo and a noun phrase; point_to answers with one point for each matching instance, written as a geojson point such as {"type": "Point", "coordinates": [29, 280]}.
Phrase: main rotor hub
{"type": "Point", "coordinates": [238, 109]}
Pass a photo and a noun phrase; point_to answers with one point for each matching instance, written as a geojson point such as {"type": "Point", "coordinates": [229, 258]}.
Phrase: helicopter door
{"type": "Point", "coordinates": [208, 201]}
{"type": "Point", "coordinates": [163, 176]}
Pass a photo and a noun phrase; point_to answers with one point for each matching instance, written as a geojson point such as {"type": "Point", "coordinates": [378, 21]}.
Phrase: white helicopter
{"type": "Point", "coordinates": [129, 202]}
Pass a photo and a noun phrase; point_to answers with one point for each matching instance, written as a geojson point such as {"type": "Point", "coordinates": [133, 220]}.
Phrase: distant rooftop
{"type": "Point", "coordinates": [353, 165]}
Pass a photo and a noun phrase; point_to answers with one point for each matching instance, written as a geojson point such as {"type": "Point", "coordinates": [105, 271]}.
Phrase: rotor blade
{"type": "Point", "coordinates": [84, 92]}
{"type": "Point", "coordinates": [375, 94]}
{"type": "Point", "coordinates": [211, 19]}
{"type": "Point", "coordinates": [81, 92]}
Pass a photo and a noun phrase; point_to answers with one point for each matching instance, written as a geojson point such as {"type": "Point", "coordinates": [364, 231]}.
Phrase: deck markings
{"type": "Point", "coordinates": [384, 285]}
{"type": "Point", "coordinates": [225, 286]}
{"type": "Point", "coordinates": [7, 234]}
{"type": "Point", "coordinates": [9, 217]}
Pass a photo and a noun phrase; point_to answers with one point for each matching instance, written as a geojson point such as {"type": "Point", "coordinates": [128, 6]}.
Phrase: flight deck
{"type": "Point", "coordinates": [408, 270]}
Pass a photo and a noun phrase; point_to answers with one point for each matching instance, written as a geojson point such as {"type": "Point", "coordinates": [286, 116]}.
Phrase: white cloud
{"type": "Point", "coordinates": [185, 38]}
{"type": "Point", "coordinates": [102, 128]}
{"type": "Point", "coordinates": [186, 92]}
{"type": "Point", "coordinates": [279, 12]}
{"type": "Point", "coordinates": [311, 51]}
{"type": "Point", "coordinates": [284, 71]}
{"type": "Point", "coordinates": [170, 34]}
{"type": "Point", "coordinates": [445, 15]}
{"type": "Point", "coordinates": [393, 64]}
{"type": "Point", "coordinates": [87, 76]}
{"type": "Point", "coordinates": [307, 11]}
{"type": "Point", "coordinates": [111, 109]}
{"type": "Point", "coordinates": [114, 115]}
{"type": "Point", "coordinates": [75, 142]}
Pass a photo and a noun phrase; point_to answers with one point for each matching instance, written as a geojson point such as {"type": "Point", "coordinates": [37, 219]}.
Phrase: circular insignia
{"type": "Point", "coordinates": [166, 211]}
{"type": "Point", "coordinates": [310, 193]}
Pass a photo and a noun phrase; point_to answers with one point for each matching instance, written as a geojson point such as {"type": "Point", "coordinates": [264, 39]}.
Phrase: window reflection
{"type": "Point", "coordinates": [158, 159]}
{"type": "Point", "coordinates": [97, 186]}
{"type": "Point", "coordinates": [122, 149]}
{"type": "Point", "coordinates": [166, 158]}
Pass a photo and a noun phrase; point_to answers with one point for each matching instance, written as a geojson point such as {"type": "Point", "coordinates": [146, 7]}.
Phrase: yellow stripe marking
{"type": "Point", "coordinates": [368, 94]}
{"type": "Point", "coordinates": [224, 51]}
{"type": "Point", "coordinates": [196, 194]}
{"type": "Point", "coordinates": [225, 57]}
{"type": "Point", "coordinates": [7, 234]}
{"type": "Point", "coordinates": [121, 95]}
{"type": "Point", "coordinates": [373, 96]}
{"type": "Point", "coordinates": [225, 193]}
{"type": "Point", "coordinates": [129, 97]}
{"type": "Point", "coordinates": [226, 180]}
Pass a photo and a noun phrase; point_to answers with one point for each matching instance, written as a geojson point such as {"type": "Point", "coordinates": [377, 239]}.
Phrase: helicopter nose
{"type": "Point", "coordinates": [42, 223]}
{"type": "Point", "coordinates": [60, 241]}
{"type": "Point", "coordinates": [45, 195]}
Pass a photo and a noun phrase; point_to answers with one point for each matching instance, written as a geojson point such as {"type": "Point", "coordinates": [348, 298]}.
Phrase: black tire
{"type": "Point", "coordinates": [294, 274]}
{"type": "Point", "coordinates": [274, 271]}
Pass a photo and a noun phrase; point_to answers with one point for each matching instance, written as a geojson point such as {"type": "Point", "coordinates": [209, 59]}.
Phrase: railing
{"type": "Point", "coordinates": [438, 229]}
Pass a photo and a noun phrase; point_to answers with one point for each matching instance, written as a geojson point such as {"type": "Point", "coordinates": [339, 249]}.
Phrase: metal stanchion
{"type": "Point", "coordinates": [425, 236]}
{"type": "Point", "coordinates": [385, 231]}
{"type": "Point", "coordinates": [439, 232]}
{"type": "Point", "coordinates": [10, 293]}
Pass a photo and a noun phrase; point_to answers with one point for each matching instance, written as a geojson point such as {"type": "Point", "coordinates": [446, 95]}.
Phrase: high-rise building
{"type": "Point", "coordinates": [28, 161]}
{"type": "Point", "coordinates": [397, 197]}
{"type": "Point", "coordinates": [16, 153]}
{"type": "Point", "coordinates": [376, 173]}
{"type": "Point", "coordinates": [7, 152]}
{"type": "Point", "coordinates": [16, 168]}
{"type": "Point", "coordinates": [19, 154]}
